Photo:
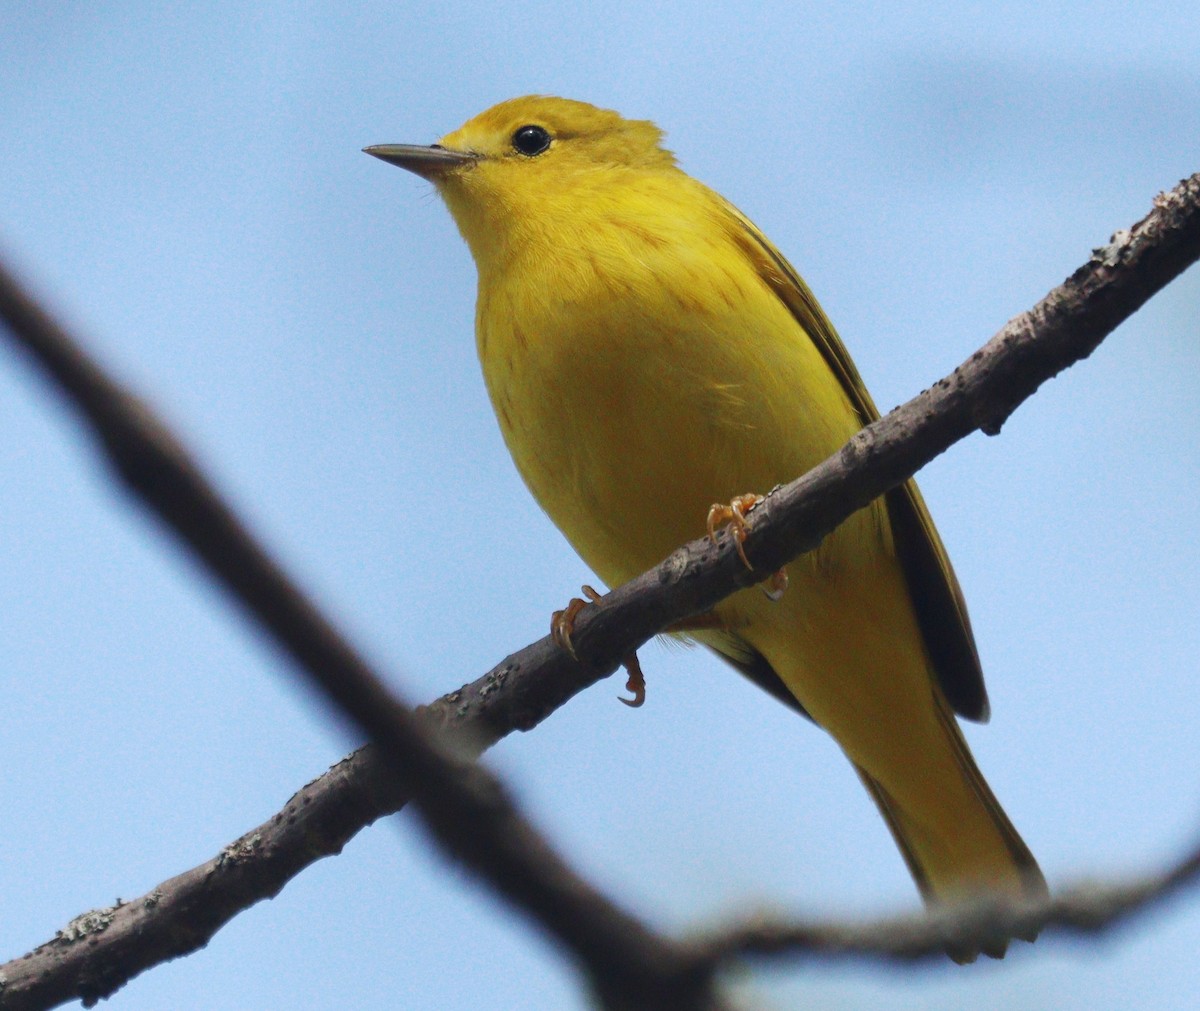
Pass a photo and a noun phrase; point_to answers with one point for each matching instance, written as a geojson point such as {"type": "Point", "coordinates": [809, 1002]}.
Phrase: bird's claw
{"type": "Point", "coordinates": [775, 586]}
{"type": "Point", "coordinates": [733, 515]}
{"type": "Point", "coordinates": [635, 683]}
{"type": "Point", "coordinates": [562, 623]}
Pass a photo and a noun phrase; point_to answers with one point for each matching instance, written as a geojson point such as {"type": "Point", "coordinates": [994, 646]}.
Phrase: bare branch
{"type": "Point", "coordinates": [1063, 328]}
{"type": "Point", "coordinates": [100, 951]}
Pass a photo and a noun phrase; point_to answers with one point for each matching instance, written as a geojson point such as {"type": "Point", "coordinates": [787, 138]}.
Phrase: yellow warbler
{"type": "Point", "coordinates": [649, 352]}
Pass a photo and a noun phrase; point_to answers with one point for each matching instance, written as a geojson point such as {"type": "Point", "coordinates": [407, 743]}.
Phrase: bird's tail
{"type": "Point", "coordinates": [982, 855]}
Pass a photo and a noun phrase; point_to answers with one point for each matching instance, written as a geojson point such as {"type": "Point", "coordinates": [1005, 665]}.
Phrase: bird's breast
{"type": "Point", "coordinates": [635, 385]}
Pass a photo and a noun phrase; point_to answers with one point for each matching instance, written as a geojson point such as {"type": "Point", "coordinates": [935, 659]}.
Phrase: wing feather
{"type": "Point", "coordinates": [937, 596]}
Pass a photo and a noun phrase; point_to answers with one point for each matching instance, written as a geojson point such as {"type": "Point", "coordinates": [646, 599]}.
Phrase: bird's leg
{"type": "Point", "coordinates": [734, 515]}
{"type": "Point", "coordinates": [562, 624]}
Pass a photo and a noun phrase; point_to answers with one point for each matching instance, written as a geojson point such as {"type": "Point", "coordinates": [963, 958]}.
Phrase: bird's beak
{"type": "Point", "coordinates": [431, 162]}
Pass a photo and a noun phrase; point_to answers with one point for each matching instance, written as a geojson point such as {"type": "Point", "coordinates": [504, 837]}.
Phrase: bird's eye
{"type": "Point", "coordinates": [531, 140]}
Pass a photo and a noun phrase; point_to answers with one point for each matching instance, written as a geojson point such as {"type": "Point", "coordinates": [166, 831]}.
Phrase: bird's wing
{"type": "Point", "coordinates": [937, 597]}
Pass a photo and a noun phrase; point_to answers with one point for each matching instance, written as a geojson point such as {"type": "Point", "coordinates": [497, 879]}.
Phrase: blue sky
{"type": "Point", "coordinates": [186, 187]}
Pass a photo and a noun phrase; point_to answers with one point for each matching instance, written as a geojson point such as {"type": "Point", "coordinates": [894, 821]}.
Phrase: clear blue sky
{"type": "Point", "coordinates": [186, 186]}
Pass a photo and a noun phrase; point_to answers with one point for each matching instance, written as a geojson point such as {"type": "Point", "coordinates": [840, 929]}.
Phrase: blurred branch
{"type": "Point", "coordinates": [183, 913]}
{"type": "Point", "coordinates": [466, 807]}
{"type": "Point", "coordinates": [1085, 909]}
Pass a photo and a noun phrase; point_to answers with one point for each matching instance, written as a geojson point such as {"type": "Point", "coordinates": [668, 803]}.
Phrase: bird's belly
{"type": "Point", "coordinates": [627, 431]}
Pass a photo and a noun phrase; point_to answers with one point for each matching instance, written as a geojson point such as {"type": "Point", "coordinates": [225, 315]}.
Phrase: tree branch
{"type": "Point", "coordinates": [1062, 329]}
{"type": "Point", "coordinates": [465, 807]}
{"type": "Point", "coordinates": [1086, 909]}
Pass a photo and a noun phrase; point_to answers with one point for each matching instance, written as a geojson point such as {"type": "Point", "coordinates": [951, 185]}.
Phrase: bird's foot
{"type": "Point", "coordinates": [636, 682]}
{"type": "Point", "coordinates": [562, 625]}
{"type": "Point", "coordinates": [733, 515]}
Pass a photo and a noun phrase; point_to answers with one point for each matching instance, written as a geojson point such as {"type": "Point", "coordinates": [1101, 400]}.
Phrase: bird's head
{"type": "Point", "coordinates": [510, 168]}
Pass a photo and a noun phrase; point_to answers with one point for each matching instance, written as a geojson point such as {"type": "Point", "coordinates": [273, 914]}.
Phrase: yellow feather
{"type": "Point", "coordinates": [648, 352]}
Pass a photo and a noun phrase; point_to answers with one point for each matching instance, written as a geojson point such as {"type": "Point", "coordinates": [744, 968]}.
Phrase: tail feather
{"type": "Point", "coordinates": [940, 871]}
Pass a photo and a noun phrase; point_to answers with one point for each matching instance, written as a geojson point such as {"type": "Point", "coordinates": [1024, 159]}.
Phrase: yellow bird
{"type": "Point", "coordinates": [649, 352]}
